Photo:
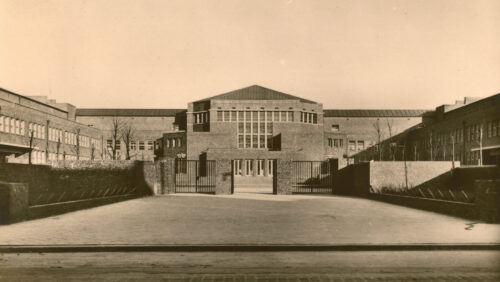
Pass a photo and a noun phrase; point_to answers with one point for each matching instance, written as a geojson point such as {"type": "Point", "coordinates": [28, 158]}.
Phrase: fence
{"type": "Point", "coordinates": [193, 176]}
{"type": "Point", "coordinates": [434, 193]}
{"type": "Point", "coordinates": [312, 177]}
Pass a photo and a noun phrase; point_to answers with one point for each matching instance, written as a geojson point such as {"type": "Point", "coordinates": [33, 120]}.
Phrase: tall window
{"type": "Point", "coordinates": [260, 167]}
{"type": "Point", "coordinates": [361, 145]}
{"type": "Point", "coordinates": [249, 167]}
{"type": "Point", "coordinates": [352, 145]}
{"type": "Point", "coordinates": [237, 167]}
{"type": "Point", "coordinates": [330, 142]}
{"type": "Point", "coordinates": [253, 129]}
{"type": "Point", "coordinates": [270, 167]}
{"type": "Point", "coordinates": [141, 145]}
{"type": "Point", "coordinates": [150, 145]}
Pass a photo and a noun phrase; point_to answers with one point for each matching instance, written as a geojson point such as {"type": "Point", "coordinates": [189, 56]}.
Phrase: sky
{"type": "Point", "coordinates": [163, 54]}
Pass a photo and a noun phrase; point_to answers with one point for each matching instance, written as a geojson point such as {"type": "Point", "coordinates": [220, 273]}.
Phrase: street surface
{"type": "Point", "coordinates": [253, 266]}
{"type": "Point", "coordinates": [248, 219]}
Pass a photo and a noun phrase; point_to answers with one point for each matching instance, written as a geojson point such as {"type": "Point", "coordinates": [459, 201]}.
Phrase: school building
{"type": "Point", "coordinates": [467, 131]}
{"type": "Point", "coordinates": [43, 129]}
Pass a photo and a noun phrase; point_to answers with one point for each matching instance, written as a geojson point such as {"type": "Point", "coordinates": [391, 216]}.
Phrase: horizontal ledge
{"type": "Point", "coordinates": [241, 248]}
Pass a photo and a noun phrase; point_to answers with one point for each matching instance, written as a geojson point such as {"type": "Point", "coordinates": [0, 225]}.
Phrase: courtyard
{"type": "Point", "coordinates": [249, 218]}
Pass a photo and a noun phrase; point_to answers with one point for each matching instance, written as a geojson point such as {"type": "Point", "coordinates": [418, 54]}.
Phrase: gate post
{"type": "Point", "coordinates": [223, 177]}
{"type": "Point", "coordinates": [167, 176]}
{"type": "Point", "coordinates": [334, 169]}
{"type": "Point", "coordinates": [283, 177]}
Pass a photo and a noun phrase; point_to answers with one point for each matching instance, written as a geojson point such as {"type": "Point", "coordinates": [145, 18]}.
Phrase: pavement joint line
{"type": "Point", "coordinates": [76, 248]}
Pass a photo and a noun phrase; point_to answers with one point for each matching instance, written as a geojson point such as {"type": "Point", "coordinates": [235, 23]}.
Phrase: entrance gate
{"type": "Point", "coordinates": [312, 177]}
{"type": "Point", "coordinates": [193, 176]}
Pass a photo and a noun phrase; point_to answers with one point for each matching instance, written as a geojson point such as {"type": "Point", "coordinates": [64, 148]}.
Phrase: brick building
{"type": "Point", "coordinates": [255, 125]}
{"type": "Point", "coordinates": [467, 131]}
{"type": "Point", "coordinates": [144, 126]}
{"type": "Point", "coordinates": [46, 128]}
{"type": "Point", "coordinates": [348, 132]}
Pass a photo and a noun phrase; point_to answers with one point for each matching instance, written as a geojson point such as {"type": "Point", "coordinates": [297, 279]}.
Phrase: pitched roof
{"type": "Point", "coordinates": [255, 92]}
{"type": "Point", "coordinates": [129, 112]}
{"type": "Point", "coordinates": [373, 113]}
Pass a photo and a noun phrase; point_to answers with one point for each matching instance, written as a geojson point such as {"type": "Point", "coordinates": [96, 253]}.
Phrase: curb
{"type": "Point", "coordinates": [244, 248]}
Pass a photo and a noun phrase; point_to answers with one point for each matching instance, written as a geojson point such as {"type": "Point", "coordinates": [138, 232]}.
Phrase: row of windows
{"type": "Point", "coordinates": [84, 141]}
{"type": "Point", "coordinates": [472, 133]}
{"type": "Point", "coordinates": [201, 117]}
{"type": "Point", "coordinates": [246, 116]}
{"type": "Point", "coordinates": [173, 142]}
{"type": "Point", "coordinates": [251, 169]}
{"type": "Point", "coordinates": [337, 143]}
{"type": "Point", "coordinates": [133, 145]}
{"type": "Point", "coordinates": [55, 134]}
{"type": "Point", "coordinates": [308, 117]}
{"type": "Point", "coordinates": [69, 138]}
{"type": "Point", "coordinates": [472, 158]}
{"type": "Point", "coordinates": [493, 128]}
{"type": "Point", "coordinates": [354, 145]}
{"type": "Point", "coordinates": [11, 125]}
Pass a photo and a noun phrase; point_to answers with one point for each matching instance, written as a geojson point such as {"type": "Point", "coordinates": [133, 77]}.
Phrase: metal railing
{"type": "Point", "coordinates": [312, 177]}
{"type": "Point", "coordinates": [431, 193]}
{"type": "Point", "coordinates": [193, 176]}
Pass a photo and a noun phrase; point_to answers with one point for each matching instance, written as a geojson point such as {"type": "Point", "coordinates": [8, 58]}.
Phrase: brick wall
{"type": "Point", "coordinates": [404, 175]}
{"type": "Point", "coordinates": [79, 176]}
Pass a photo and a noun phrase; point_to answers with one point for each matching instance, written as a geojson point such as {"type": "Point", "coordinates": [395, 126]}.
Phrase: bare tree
{"type": "Point", "coordinates": [76, 149]}
{"type": "Point", "coordinates": [433, 146]}
{"type": "Point", "coordinates": [31, 144]}
{"type": "Point", "coordinates": [378, 136]}
{"type": "Point", "coordinates": [390, 123]}
{"type": "Point", "coordinates": [58, 147]}
{"type": "Point", "coordinates": [92, 151]}
{"type": "Point", "coordinates": [127, 135]}
{"type": "Point", "coordinates": [116, 126]}
{"type": "Point", "coordinates": [479, 141]}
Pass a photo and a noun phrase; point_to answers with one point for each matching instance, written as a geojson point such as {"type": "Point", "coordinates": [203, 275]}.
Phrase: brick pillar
{"type": "Point", "coordinates": [167, 176]}
{"type": "Point", "coordinates": [266, 167]}
{"type": "Point", "coordinates": [487, 199]}
{"type": "Point", "coordinates": [243, 167]}
{"type": "Point", "coordinates": [223, 177]}
{"type": "Point", "coordinates": [254, 172]}
{"type": "Point", "coordinates": [283, 177]}
{"type": "Point", "coordinates": [14, 205]}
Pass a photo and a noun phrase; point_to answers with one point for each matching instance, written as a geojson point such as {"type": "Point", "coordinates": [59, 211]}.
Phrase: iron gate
{"type": "Point", "coordinates": [193, 176]}
{"type": "Point", "coordinates": [312, 177]}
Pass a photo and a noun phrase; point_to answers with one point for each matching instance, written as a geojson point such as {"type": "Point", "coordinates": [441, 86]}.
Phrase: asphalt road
{"type": "Point", "coordinates": [253, 266]}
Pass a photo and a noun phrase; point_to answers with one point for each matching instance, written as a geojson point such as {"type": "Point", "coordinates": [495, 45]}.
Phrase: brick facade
{"type": "Point", "coordinates": [56, 133]}
{"type": "Point", "coordinates": [460, 132]}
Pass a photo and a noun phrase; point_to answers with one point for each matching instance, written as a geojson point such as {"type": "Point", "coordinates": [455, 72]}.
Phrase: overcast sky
{"type": "Point", "coordinates": [164, 54]}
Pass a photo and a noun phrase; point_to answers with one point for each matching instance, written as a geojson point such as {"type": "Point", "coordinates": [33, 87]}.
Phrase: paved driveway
{"type": "Point", "coordinates": [249, 219]}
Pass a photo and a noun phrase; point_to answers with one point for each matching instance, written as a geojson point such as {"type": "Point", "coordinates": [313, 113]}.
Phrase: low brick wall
{"type": "Point", "coordinates": [353, 180]}
{"type": "Point", "coordinates": [64, 207]}
{"type": "Point", "coordinates": [465, 210]}
{"type": "Point", "coordinates": [488, 199]}
{"type": "Point", "coordinates": [70, 185]}
{"type": "Point", "coordinates": [13, 202]}
{"type": "Point", "coordinates": [405, 175]}
{"type": "Point", "coordinates": [379, 181]}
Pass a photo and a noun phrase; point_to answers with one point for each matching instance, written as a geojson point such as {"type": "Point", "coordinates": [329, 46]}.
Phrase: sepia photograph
{"type": "Point", "coordinates": [249, 140]}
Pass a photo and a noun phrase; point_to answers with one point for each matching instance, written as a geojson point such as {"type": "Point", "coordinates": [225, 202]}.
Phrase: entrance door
{"type": "Point", "coordinates": [252, 176]}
